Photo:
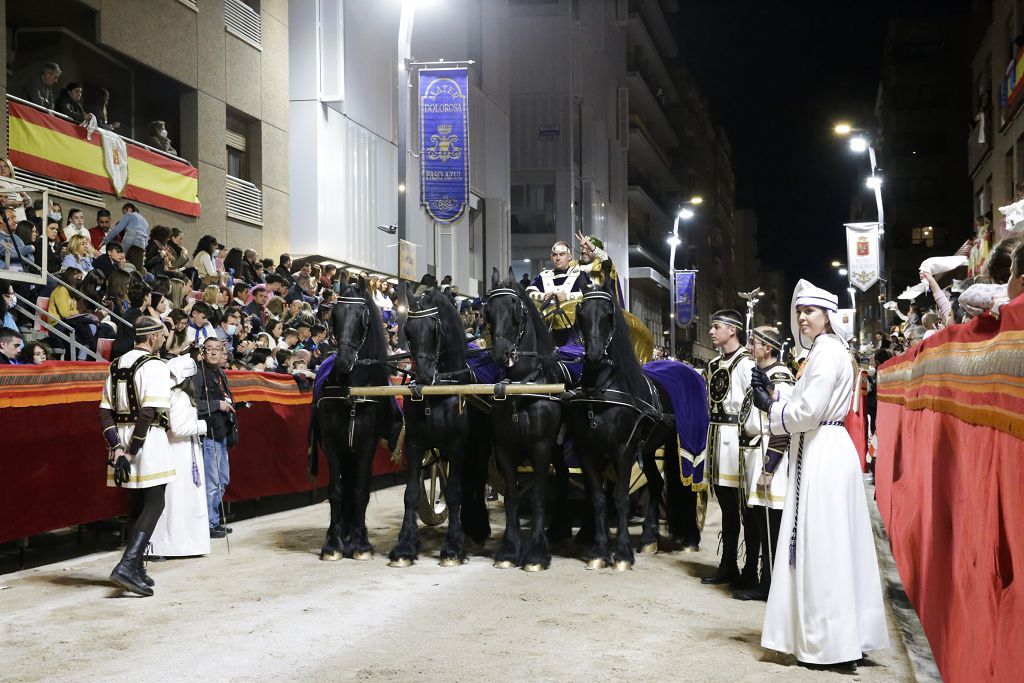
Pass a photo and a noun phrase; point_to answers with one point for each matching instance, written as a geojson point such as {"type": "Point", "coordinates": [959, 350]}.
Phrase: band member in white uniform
{"type": "Point", "coordinates": [825, 604]}
{"type": "Point", "coordinates": [765, 462]}
{"type": "Point", "coordinates": [133, 418]}
{"type": "Point", "coordinates": [728, 382]}
{"type": "Point", "coordinates": [184, 527]}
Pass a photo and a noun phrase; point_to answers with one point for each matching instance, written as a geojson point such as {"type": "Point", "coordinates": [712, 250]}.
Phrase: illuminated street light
{"type": "Point", "coordinates": [696, 200]}
{"type": "Point", "coordinates": [858, 144]}
{"type": "Point", "coordinates": [836, 264]}
{"type": "Point", "coordinates": [842, 129]}
{"type": "Point", "coordinates": [873, 183]}
{"type": "Point", "coordinates": [674, 241]}
{"type": "Point", "coordinates": [686, 214]}
{"type": "Point", "coordinates": [844, 272]}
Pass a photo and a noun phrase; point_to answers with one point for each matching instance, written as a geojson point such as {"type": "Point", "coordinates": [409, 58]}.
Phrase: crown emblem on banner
{"type": "Point", "coordinates": [444, 128]}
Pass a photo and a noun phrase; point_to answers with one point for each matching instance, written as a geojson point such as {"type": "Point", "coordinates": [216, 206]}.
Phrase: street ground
{"type": "Point", "coordinates": [271, 609]}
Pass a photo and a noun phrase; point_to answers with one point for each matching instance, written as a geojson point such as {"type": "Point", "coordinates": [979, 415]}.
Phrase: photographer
{"type": "Point", "coordinates": [216, 407]}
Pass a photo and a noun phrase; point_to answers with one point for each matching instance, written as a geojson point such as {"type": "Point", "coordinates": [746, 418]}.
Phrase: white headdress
{"type": "Point", "coordinates": [807, 294]}
{"type": "Point", "coordinates": [181, 368]}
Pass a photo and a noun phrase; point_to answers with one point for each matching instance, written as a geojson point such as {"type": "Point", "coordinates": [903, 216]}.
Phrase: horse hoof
{"type": "Point", "coordinates": [623, 566]}
{"type": "Point", "coordinates": [330, 556]}
{"type": "Point", "coordinates": [691, 549]}
{"type": "Point", "coordinates": [649, 549]}
{"type": "Point", "coordinates": [597, 563]}
{"type": "Point", "coordinates": [504, 564]}
{"type": "Point", "coordinates": [363, 555]}
{"type": "Point", "coordinates": [533, 567]}
{"type": "Point", "coordinates": [401, 562]}
{"type": "Point", "coordinates": [451, 562]}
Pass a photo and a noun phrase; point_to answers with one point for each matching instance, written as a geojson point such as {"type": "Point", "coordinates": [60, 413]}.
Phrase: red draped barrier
{"type": "Point", "coordinates": [949, 482]}
{"type": "Point", "coordinates": [54, 457]}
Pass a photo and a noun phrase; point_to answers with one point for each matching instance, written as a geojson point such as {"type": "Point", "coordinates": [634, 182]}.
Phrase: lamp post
{"type": "Point", "coordinates": [673, 241]}
{"type": "Point", "coordinates": [861, 142]}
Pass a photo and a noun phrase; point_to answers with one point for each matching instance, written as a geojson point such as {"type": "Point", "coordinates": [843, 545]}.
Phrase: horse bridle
{"type": "Point", "coordinates": [604, 296]}
{"type": "Point", "coordinates": [356, 301]}
{"type": "Point", "coordinates": [430, 313]}
{"type": "Point", "coordinates": [521, 331]}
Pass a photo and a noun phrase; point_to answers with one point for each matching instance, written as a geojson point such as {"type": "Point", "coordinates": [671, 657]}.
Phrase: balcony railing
{"type": "Point", "coordinates": [244, 201]}
{"type": "Point", "coordinates": [1011, 91]}
{"type": "Point", "coordinates": [243, 21]}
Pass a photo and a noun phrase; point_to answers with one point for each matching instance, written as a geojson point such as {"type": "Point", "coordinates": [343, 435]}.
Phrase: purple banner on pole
{"type": "Point", "coordinates": [685, 284]}
{"type": "Point", "coordinates": [444, 143]}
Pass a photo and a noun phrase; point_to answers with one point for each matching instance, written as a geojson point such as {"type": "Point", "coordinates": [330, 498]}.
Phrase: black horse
{"type": "Point", "coordinates": [446, 423]}
{"type": "Point", "coordinates": [525, 424]}
{"type": "Point", "coordinates": [616, 413]}
{"type": "Point", "coordinates": [348, 428]}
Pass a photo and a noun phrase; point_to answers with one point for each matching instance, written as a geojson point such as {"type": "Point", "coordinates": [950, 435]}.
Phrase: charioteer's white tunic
{"type": "Point", "coordinates": [827, 608]}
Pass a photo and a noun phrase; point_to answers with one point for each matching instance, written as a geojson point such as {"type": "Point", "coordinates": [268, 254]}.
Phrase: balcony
{"type": "Point", "coordinates": [1011, 91]}
{"type": "Point", "coordinates": [51, 151]}
{"type": "Point", "coordinates": [644, 103]}
{"type": "Point", "coordinates": [645, 57]}
{"type": "Point", "coordinates": [978, 152]}
{"type": "Point", "coordinates": [650, 162]}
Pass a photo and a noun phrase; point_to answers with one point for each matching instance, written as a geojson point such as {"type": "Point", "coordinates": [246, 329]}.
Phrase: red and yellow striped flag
{"type": "Point", "coordinates": [51, 146]}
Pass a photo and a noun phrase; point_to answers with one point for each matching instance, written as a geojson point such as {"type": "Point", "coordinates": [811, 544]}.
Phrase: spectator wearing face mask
{"type": "Point", "coordinates": [228, 328]}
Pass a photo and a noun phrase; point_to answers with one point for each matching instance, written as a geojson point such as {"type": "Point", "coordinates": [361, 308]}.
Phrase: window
{"type": "Point", "coordinates": [923, 236]}
{"type": "Point", "coordinates": [238, 149]}
{"type": "Point", "coordinates": [533, 208]}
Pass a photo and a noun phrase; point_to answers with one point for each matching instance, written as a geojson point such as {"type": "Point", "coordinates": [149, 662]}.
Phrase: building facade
{"type": "Point", "coordinates": [922, 115]}
{"type": "Point", "coordinates": [215, 71]}
{"type": "Point", "coordinates": [569, 117]}
{"type": "Point", "coordinates": [995, 143]}
{"type": "Point", "coordinates": [344, 151]}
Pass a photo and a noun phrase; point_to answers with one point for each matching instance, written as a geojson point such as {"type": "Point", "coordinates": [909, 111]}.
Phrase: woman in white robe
{"type": "Point", "coordinates": [825, 604]}
{"type": "Point", "coordinates": [184, 528]}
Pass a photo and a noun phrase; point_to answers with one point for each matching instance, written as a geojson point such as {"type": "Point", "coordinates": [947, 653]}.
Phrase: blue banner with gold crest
{"type": "Point", "coordinates": [444, 143]}
{"type": "Point", "coordinates": [686, 287]}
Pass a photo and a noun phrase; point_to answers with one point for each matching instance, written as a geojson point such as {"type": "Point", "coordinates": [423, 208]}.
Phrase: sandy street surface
{"type": "Point", "coordinates": [273, 610]}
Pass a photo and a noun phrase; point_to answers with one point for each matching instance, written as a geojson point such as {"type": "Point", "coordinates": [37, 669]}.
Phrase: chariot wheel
{"type": "Point", "coordinates": [433, 508]}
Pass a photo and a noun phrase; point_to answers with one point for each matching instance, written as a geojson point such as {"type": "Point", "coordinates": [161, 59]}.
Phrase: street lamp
{"type": "Point", "coordinates": [860, 143]}
{"type": "Point", "coordinates": [844, 272]}
{"type": "Point", "coordinates": [673, 240]}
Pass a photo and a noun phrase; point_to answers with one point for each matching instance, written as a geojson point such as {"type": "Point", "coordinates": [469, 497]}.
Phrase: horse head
{"type": "Point", "coordinates": [595, 320]}
{"type": "Point", "coordinates": [350, 321]}
{"type": "Point", "coordinates": [425, 332]}
{"type": "Point", "coordinates": [506, 315]}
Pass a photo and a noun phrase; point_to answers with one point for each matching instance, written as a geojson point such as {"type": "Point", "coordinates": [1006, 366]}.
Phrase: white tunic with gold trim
{"type": "Point", "coordinates": [154, 464]}
{"type": "Point", "coordinates": [757, 423]}
{"type": "Point", "coordinates": [728, 382]}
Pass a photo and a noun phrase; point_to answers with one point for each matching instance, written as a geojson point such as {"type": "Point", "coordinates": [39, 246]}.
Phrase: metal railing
{"type": "Point", "coordinates": [71, 120]}
{"type": "Point", "coordinates": [40, 318]}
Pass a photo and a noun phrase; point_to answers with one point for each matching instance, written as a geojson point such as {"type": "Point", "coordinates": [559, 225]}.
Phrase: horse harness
{"type": "Point", "coordinates": [462, 376]}
{"type": "Point", "coordinates": [125, 376]}
{"type": "Point", "coordinates": [600, 393]}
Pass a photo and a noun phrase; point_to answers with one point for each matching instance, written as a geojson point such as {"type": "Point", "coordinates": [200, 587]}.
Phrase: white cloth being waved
{"type": "Point", "coordinates": [184, 527]}
{"type": "Point", "coordinates": [153, 465]}
{"type": "Point", "coordinates": [827, 607]}
{"type": "Point", "coordinates": [758, 422]}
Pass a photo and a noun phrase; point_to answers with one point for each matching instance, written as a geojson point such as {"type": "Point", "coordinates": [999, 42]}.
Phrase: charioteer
{"type": "Point", "coordinates": [562, 283]}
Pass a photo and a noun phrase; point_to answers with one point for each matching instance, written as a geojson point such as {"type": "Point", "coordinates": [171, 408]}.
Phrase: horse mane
{"type": "Point", "coordinates": [620, 351]}
{"type": "Point", "coordinates": [545, 342]}
{"type": "Point", "coordinates": [375, 346]}
{"type": "Point", "coordinates": [454, 345]}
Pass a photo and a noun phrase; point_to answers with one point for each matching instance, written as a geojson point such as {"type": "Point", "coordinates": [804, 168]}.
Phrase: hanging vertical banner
{"type": "Point", "coordinates": [686, 286]}
{"type": "Point", "coordinates": [444, 143]}
{"type": "Point", "coordinates": [862, 254]}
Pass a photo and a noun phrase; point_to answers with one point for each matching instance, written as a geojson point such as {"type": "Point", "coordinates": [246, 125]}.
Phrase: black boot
{"type": "Point", "coordinates": [126, 573]}
{"type": "Point", "coordinates": [144, 574]}
{"type": "Point", "coordinates": [748, 577]}
{"type": "Point", "coordinates": [758, 592]}
{"type": "Point", "coordinates": [724, 574]}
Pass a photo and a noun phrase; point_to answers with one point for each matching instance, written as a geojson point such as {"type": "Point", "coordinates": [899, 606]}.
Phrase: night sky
{"type": "Point", "coordinates": [777, 76]}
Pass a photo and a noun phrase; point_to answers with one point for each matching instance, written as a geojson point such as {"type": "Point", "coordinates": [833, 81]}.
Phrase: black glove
{"type": "Point", "coordinates": [122, 470]}
{"type": "Point", "coordinates": [762, 399]}
{"type": "Point", "coordinates": [759, 378]}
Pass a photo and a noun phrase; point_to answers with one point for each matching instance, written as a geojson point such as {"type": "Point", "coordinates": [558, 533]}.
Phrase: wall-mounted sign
{"type": "Point", "coordinates": [444, 143]}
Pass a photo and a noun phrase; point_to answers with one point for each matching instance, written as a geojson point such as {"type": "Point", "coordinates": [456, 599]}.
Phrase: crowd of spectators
{"type": "Point", "coordinates": [271, 316]}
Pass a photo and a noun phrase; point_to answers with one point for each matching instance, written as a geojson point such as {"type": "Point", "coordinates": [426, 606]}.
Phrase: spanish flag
{"type": "Point", "coordinates": [51, 146]}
